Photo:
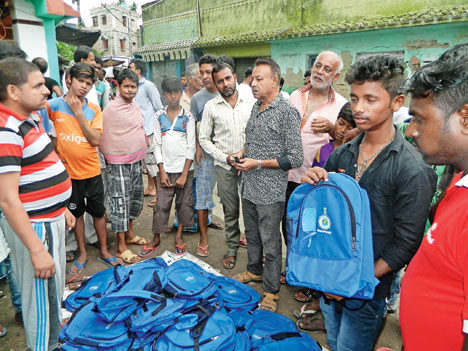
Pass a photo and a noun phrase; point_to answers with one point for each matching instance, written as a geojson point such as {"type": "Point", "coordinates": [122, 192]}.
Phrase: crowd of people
{"type": "Point", "coordinates": [73, 157]}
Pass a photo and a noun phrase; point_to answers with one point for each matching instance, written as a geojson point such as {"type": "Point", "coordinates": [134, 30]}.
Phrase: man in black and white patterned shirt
{"type": "Point", "coordinates": [272, 147]}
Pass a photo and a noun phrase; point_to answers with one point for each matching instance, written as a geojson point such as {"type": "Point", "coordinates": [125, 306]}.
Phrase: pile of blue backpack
{"type": "Point", "coordinates": [152, 306]}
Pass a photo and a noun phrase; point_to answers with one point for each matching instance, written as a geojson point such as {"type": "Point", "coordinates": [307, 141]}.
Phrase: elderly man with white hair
{"type": "Point", "coordinates": [319, 104]}
{"type": "Point", "coordinates": [194, 85]}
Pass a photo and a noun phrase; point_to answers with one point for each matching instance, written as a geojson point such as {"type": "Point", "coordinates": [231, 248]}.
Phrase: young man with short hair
{"type": "Point", "coordinates": [434, 295]}
{"type": "Point", "coordinates": [78, 127]}
{"type": "Point", "coordinates": [149, 101]}
{"type": "Point", "coordinates": [174, 150]}
{"type": "Point", "coordinates": [222, 133]}
{"type": "Point", "coordinates": [123, 145]}
{"type": "Point", "coordinates": [34, 191]}
{"type": "Point", "coordinates": [50, 83]}
{"type": "Point", "coordinates": [400, 186]}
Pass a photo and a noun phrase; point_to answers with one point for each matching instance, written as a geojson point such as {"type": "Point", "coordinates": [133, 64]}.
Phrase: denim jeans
{"type": "Point", "coordinates": [395, 290]}
{"type": "Point", "coordinates": [13, 285]}
{"type": "Point", "coordinates": [352, 328]}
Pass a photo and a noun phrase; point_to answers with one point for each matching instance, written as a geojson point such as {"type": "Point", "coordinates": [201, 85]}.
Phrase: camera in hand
{"type": "Point", "coordinates": [235, 159]}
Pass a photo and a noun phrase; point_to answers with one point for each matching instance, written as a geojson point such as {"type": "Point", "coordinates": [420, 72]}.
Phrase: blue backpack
{"type": "Point", "coordinates": [188, 280]}
{"type": "Point", "coordinates": [330, 238]}
{"type": "Point", "coordinates": [273, 332]}
{"type": "Point", "coordinates": [205, 328]}
{"type": "Point", "coordinates": [96, 286]}
{"type": "Point", "coordinates": [234, 295]}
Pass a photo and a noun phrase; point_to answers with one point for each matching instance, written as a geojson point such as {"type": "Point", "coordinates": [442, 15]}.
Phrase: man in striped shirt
{"type": "Point", "coordinates": [34, 191]}
{"type": "Point", "coordinates": [222, 133]}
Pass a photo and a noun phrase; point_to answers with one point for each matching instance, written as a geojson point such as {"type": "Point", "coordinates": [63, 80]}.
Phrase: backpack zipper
{"type": "Point", "coordinates": [350, 208]}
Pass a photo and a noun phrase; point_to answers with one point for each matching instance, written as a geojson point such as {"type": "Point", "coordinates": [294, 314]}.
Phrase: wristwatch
{"type": "Point", "coordinates": [259, 165]}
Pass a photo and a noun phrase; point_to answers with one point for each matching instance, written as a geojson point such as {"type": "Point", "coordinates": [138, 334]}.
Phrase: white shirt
{"type": "Point", "coordinates": [174, 142]}
{"type": "Point", "coordinates": [245, 89]}
{"type": "Point", "coordinates": [227, 125]}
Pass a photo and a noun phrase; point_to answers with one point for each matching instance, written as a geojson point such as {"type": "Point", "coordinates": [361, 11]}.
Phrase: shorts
{"type": "Point", "coordinates": [206, 180]}
{"type": "Point", "coordinates": [91, 189]}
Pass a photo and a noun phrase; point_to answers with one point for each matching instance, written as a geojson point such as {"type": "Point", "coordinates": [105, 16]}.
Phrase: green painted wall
{"type": "Point", "coordinates": [166, 8]}
{"type": "Point", "coordinates": [424, 42]}
{"type": "Point", "coordinates": [181, 28]}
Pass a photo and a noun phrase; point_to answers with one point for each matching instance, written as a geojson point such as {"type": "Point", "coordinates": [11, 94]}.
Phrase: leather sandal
{"type": "Point", "coordinates": [246, 277]}
{"type": "Point", "coordinates": [269, 302]}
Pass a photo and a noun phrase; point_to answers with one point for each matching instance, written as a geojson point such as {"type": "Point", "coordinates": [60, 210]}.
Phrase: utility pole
{"type": "Point", "coordinates": [80, 21]}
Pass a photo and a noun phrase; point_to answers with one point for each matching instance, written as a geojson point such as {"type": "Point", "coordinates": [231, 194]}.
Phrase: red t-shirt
{"type": "Point", "coordinates": [434, 290]}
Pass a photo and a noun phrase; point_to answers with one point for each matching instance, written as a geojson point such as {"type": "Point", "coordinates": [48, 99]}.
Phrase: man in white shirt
{"type": "Point", "coordinates": [244, 88]}
{"type": "Point", "coordinates": [222, 133]}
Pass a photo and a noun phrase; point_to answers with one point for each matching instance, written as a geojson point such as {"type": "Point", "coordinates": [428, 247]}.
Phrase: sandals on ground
{"type": "Point", "coordinates": [202, 250]}
{"type": "Point", "coordinates": [137, 240]}
{"type": "Point", "coordinates": [269, 302]}
{"type": "Point", "coordinates": [229, 262]}
{"type": "Point", "coordinates": [309, 294]}
{"type": "Point", "coordinates": [128, 257]}
{"type": "Point", "coordinates": [180, 249]}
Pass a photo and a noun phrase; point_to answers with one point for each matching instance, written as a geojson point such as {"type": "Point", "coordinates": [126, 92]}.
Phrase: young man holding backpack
{"type": "Point", "coordinates": [399, 185]}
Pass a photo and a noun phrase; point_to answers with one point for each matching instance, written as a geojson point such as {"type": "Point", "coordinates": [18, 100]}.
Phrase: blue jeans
{"type": "Point", "coordinates": [354, 328]}
{"type": "Point", "coordinates": [13, 285]}
{"type": "Point", "coordinates": [395, 290]}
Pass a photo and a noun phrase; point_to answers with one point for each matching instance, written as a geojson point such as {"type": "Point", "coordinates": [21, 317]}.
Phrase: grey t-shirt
{"type": "Point", "coordinates": [197, 104]}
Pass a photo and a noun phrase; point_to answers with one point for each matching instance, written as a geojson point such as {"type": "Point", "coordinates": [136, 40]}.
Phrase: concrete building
{"type": "Point", "coordinates": [31, 24]}
{"type": "Point", "coordinates": [293, 32]}
{"type": "Point", "coordinates": [119, 30]}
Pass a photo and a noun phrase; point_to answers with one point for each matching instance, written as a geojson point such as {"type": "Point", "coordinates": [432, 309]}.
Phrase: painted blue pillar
{"type": "Point", "coordinates": [52, 53]}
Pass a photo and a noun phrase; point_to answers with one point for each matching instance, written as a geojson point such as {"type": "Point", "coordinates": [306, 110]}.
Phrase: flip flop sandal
{"type": "Point", "coordinates": [74, 278]}
{"type": "Point", "coordinates": [299, 313]}
{"type": "Point", "coordinates": [151, 204]}
{"type": "Point", "coordinates": [146, 251]}
{"type": "Point", "coordinates": [243, 242]}
{"type": "Point", "coordinates": [310, 295]}
{"type": "Point", "coordinates": [1, 294]}
{"type": "Point", "coordinates": [283, 278]}
{"type": "Point", "coordinates": [202, 250]}
{"type": "Point", "coordinates": [80, 267]}
{"type": "Point", "coordinates": [128, 257]}
{"type": "Point", "coordinates": [108, 261]}
{"type": "Point", "coordinates": [3, 332]}
{"type": "Point", "coordinates": [180, 249]}
{"type": "Point", "coordinates": [229, 264]}
{"type": "Point", "coordinates": [215, 225]}
{"type": "Point", "coordinates": [314, 324]}
{"type": "Point", "coordinates": [137, 240]}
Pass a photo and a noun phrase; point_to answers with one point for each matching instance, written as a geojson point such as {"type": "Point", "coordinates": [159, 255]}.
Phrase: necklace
{"type": "Point", "coordinates": [362, 167]}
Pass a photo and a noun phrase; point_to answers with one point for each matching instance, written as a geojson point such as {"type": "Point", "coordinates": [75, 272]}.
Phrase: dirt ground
{"type": "Point", "coordinates": [15, 341]}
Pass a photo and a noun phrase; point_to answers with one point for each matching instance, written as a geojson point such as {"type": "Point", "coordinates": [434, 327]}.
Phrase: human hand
{"type": "Point", "coordinates": [239, 155]}
{"type": "Point", "coordinates": [246, 165]}
{"type": "Point", "coordinates": [351, 134]}
{"type": "Point", "coordinates": [43, 264]}
{"type": "Point", "coordinates": [180, 182]}
{"type": "Point", "coordinates": [70, 220]}
{"type": "Point", "coordinates": [199, 154]}
{"type": "Point", "coordinates": [321, 125]}
{"type": "Point", "coordinates": [75, 104]}
{"type": "Point", "coordinates": [165, 182]}
{"type": "Point", "coordinates": [314, 176]}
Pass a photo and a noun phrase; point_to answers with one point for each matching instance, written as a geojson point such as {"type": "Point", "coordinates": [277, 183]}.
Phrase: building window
{"type": "Point", "coordinates": [124, 21]}
{"type": "Point", "coordinates": [105, 44]}
{"type": "Point", "coordinates": [95, 21]}
{"type": "Point", "coordinates": [104, 20]}
{"type": "Point", "coordinates": [310, 61]}
{"type": "Point", "coordinates": [122, 44]}
{"type": "Point", "coordinates": [134, 43]}
{"type": "Point", "coordinates": [132, 23]}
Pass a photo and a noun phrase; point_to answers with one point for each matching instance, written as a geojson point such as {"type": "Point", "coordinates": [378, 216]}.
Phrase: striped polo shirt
{"type": "Point", "coordinates": [44, 185]}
